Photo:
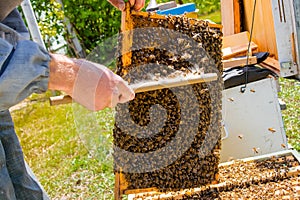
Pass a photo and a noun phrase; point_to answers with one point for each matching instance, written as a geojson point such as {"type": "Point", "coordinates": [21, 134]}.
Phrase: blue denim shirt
{"type": "Point", "coordinates": [24, 67]}
{"type": "Point", "coordinates": [23, 70]}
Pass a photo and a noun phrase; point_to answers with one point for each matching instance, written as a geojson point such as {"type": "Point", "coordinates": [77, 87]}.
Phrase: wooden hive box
{"type": "Point", "coordinates": [168, 139]}
{"type": "Point", "coordinates": [270, 176]}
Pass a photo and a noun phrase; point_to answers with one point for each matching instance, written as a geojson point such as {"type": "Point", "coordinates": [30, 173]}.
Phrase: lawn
{"type": "Point", "coordinates": [290, 93]}
{"type": "Point", "coordinates": [60, 156]}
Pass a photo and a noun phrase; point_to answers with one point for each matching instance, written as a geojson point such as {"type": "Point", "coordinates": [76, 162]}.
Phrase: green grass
{"type": "Point", "coordinates": [79, 166]}
{"type": "Point", "coordinates": [214, 17]}
{"type": "Point", "coordinates": [290, 93]}
{"type": "Point", "coordinates": [60, 156]}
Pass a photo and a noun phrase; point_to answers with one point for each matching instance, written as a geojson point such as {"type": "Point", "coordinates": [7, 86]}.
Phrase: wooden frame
{"type": "Point", "coordinates": [235, 62]}
{"type": "Point", "coordinates": [155, 195]}
{"type": "Point", "coordinates": [127, 26]}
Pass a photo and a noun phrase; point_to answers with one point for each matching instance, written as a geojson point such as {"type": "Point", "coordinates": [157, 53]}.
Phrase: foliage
{"type": "Point", "coordinates": [58, 154]}
{"type": "Point", "coordinates": [50, 18]}
{"type": "Point", "coordinates": [92, 20]}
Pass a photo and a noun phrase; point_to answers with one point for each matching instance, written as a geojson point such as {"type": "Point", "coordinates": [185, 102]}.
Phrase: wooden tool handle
{"type": "Point", "coordinates": [62, 99]}
{"type": "Point", "coordinates": [173, 82]}
{"type": "Point", "coordinates": [151, 85]}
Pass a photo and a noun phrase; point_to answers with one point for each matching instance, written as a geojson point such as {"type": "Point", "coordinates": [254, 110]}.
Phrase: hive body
{"type": "Point", "coordinates": [266, 177]}
{"type": "Point", "coordinates": [170, 138]}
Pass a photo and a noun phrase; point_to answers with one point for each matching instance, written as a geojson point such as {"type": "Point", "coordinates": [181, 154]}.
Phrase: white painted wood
{"type": "Point", "coordinates": [227, 12]}
{"type": "Point", "coordinates": [248, 117]}
{"type": "Point", "coordinates": [32, 23]}
{"type": "Point", "coordinates": [296, 19]}
{"type": "Point", "coordinates": [265, 157]}
{"type": "Point", "coordinates": [283, 22]}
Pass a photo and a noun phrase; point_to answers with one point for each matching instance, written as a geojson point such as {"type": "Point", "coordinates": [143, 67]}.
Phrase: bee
{"type": "Point", "coordinates": [272, 130]}
{"type": "Point", "coordinates": [152, 57]}
{"type": "Point", "coordinates": [230, 159]}
{"type": "Point", "coordinates": [186, 56]}
{"type": "Point", "coordinates": [204, 171]}
{"type": "Point", "coordinates": [231, 99]}
{"type": "Point", "coordinates": [216, 151]}
{"type": "Point", "coordinates": [256, 150]}
{"type": "Point", "coordinates": [240, 136]}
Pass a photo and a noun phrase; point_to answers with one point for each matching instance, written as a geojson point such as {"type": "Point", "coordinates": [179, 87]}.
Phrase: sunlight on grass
{"type": "Point", "coordinates": [60, 157]}
{"type": "Point", "coordinates": [290, 93]}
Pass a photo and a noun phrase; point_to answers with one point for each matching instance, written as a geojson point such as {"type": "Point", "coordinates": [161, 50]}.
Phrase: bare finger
{"type": "Point", "coordinates": [139, 4]}
{"type": "Point", "coordinates": [119, 4]}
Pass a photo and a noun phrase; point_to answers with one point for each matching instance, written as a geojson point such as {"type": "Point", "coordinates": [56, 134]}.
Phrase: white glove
{"type": "Point", "coordinates": [92, 85]}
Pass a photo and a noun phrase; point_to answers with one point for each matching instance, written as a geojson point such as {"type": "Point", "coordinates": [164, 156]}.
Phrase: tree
{"type": "Point", "coordinates": [50, 18]}
{"type": "Point", "coordinates": [92, 20]}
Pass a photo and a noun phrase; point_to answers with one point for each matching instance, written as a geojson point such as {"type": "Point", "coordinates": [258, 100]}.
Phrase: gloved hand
{"type": "Point", "coordinates": [136, 4]}
{"type": "Point", "coordinates": [92, 85]}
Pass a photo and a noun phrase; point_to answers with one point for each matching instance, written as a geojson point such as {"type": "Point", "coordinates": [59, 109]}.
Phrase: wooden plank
{"type": "Point", "coordinates": [120, 185]}
{"type": "Point", "coordinates": [173, 82]}
{"type": "Point", "coordinates": [126, 28]}
{"type": "Point", "coordinates": [264, 157]}
{"type": "Point", "coordinates": [167, 5]}
{"type": "Point", "coordinates": [241, 50]}
{"type": "Point", "coordinates": [117, 192]}
{"type": "Point", "coordinates": [227, 17]}
{"type": "Point", "coordinates": [294, 49]}
{"type": "Point", "coordinates": [237, 16]}
{"type": "Point", "coordinates": [143, 190]}
{"type": "Point", "coordinates": [123, 183]}
{"type": "Point", "coordinates": [272, 62]}
{"type": "Point", "coordinates": [231, 17]}
{"type": "Point", "coordinates": [235, 39]}
{"type": "Point", "coordinates": [264, 29]}
{"type": "Point", "coordinates": [276, 71]}
{"type": "Point", "coordinates": [296, 18]}
{"type": "Point", "coordinates": [63, 99]}
{"type": "Point", "coordinates": [234, 62]}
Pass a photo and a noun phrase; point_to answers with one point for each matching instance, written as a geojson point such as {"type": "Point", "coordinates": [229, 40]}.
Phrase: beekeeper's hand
{"type": "Point", "coordinates": [135, 4]}
{"type": "Point", "coordinates": [92, 85]}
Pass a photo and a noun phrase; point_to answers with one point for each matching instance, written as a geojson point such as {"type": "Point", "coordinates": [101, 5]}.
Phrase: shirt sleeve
{"type": "Point", "coordinates": [25, 70]}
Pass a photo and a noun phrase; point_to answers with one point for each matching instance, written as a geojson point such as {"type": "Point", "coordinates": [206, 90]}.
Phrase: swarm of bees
{"type": "Point", "coordinates": [178, 145]}
{"type": "Point", "coordinates": [262, 179]}
{"type": "Point", "coordinates": [254, 179]}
